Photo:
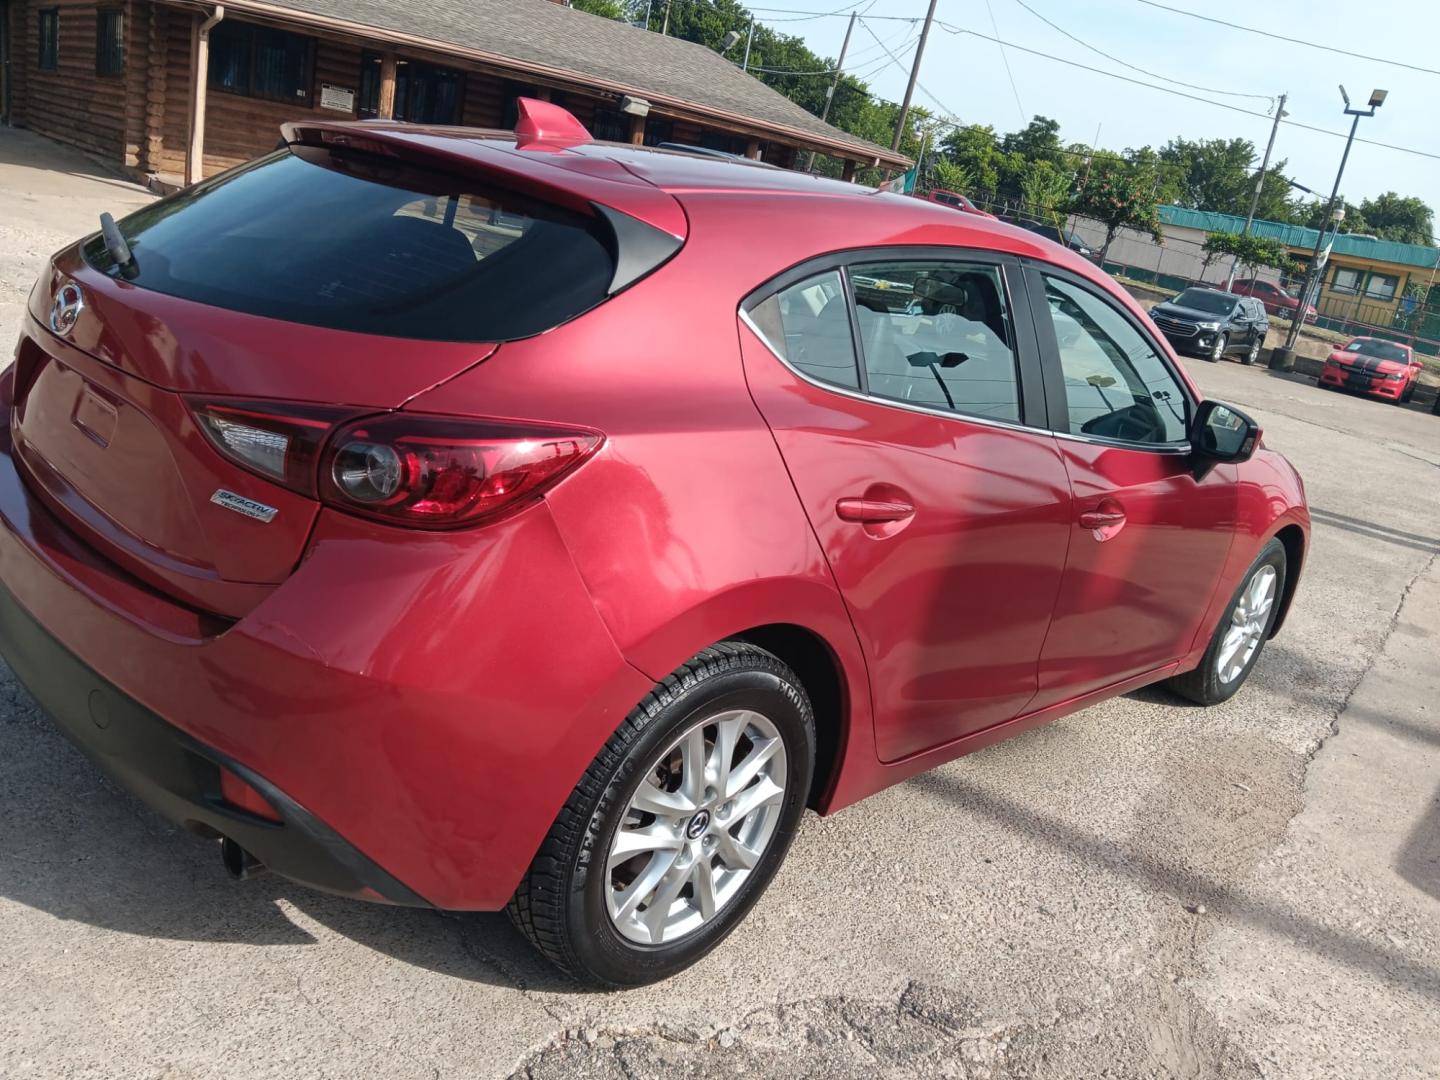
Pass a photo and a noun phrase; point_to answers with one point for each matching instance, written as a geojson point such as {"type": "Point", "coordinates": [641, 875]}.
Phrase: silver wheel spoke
{"type": "Point", "coordinates": [752, 798]}
{"type": "Point", "coordinates": [638, 891]}
{"type": "Point", "coordinates": [662, 901]}
{"type": "Point", "coordinates": [735, 854]}
{"type": "Point", "coordinates": [666, 804]}
{"type": "Point", "coordinates": [704, 882]}
{"type": "Point", "coordinates": [727, 735]}
{"type": "Point", "coordinates": [748, 769]}
{"type": "Point", "coordinates": [631, 842]}
{"type": "Point", "coordinates": [692, 766]}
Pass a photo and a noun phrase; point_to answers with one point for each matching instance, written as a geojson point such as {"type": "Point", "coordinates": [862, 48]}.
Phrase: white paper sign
{"type": "Point", "coordinates": [337, 97]}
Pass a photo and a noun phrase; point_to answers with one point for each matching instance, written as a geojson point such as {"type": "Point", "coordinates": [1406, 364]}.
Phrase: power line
{"type": "Point", "coordinates": [1291, 40]}
{"type": "Point", "coordinates": [1133, 67]}
{"type": "Point", "coordinates": [961, 31]}
{"type": "Point", "coordinates": [1006, 59]}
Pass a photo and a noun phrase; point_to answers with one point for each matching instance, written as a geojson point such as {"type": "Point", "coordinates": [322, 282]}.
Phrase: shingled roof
{"type": "Point", "coordinates": [546, 39]}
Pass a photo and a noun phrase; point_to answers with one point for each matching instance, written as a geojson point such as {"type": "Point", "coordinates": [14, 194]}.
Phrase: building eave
{"type": "Point", "coordinates": [863, 153]}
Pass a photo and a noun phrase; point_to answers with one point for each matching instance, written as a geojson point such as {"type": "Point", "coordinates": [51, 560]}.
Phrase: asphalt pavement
{"type": "Point", "coordinates": [1144, 889]}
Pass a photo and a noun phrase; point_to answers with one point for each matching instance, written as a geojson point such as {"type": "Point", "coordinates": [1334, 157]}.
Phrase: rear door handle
{"type": "Point", "coordinates": [872, 510]}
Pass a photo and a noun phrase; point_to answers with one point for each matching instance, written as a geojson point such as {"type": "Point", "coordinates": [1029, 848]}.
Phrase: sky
{"type": "Point", "coordinates": [966, 76]}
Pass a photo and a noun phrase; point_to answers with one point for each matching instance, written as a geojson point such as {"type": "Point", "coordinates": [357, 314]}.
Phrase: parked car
{"type": "Point", "coordinates": [1063, 237]}
{"type": "Point", "coordinates": [1374, 366]}
{"type": "Point", "coordinates": [1276, 300]}
{"type": "Point", "coordinates": [1209, 323]}
{"type": "Point", "coordinates": [554, 523]}
{"type": "Point", "coordinates": [955, 201]}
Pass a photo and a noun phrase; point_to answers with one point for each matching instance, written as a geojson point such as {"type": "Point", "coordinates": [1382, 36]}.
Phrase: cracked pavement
{"type": "Point", "coordinates": [1144, 889]}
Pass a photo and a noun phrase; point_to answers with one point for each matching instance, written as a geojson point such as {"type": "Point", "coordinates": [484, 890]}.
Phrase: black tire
{"type": "Point", "coordinates": [1254, 353]}
{"type": "Point", "coordinates": [1216, 354]}
{"type": "Point", "coordinates": [560, 905]}
{"type": "Point", "coordinates": [1204, 685]}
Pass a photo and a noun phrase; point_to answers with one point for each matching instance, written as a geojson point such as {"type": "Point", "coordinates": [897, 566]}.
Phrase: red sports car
{"type": "Point", "coordinates": [1276, 300]}
{"type": "Point", "coordinates": [477, 520]}
{"type": "Point", "coordinates": [1376, 366]}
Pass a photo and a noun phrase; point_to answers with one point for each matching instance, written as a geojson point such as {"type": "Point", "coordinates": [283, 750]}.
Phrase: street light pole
{"type": "Point", "coordinates": [1259, 183]}
{"type": "Point", "coordinates": [834, 83]}
{"type": "Point", "coordinates": [1281, 359]}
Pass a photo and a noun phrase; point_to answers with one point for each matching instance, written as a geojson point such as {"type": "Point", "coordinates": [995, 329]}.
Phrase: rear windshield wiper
{"type": "Point", "coordinates": [117, 246]}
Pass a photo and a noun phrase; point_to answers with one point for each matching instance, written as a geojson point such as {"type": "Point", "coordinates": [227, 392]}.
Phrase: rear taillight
{"type": "Point", "coordinates": [281, 442]}
{"type": "Point", "coordinates": [416, 469]}
{"type": "Point", "coordinates": [437, 472]}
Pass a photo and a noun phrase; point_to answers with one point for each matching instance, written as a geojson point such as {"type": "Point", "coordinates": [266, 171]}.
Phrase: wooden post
{"type": "Point", "coordinates": [752, 150]}
{"type": "Point", "coordinates": [386, 107]}
{"type": "Point", "coordinates": [199, 80]}
{"type": "Point", "coordinates": [847, 172]}
{"type": "Point", "coordinates": [637, 131]}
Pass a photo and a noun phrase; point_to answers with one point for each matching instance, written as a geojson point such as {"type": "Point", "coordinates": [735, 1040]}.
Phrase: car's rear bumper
{"type": "Point", "coordinates": [179, 775]}
{"type": "Point", "coordinates": [431, 698]}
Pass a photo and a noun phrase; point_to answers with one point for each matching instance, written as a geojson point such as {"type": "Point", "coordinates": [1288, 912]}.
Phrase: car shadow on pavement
{"type": "Point", "coordinates": [78, 848]}
{"type": "Point", "coordinates": [1380, 961]}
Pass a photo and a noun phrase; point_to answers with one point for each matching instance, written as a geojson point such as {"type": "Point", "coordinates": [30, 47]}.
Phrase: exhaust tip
{"type": "Point", "coordinates": [238, 862]}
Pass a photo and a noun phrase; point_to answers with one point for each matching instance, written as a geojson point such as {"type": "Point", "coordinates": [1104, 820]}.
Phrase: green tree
{"type": "Point", "coordinates": [1249, 252]}
{"type": "Point", "coordinates": [609, 9]}
{"type": "Point", "coordinates": [1119, 194]}
{"type": "Point", "coordinates": [976, 150]}
{"type": "Point", "coordinates": [1394, 217]}
{"type": "Point", "coordinates": [1045, 188]}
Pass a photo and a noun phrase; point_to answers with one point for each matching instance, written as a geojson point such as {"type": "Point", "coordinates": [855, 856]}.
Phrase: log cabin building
{"type": "Point", "coordinates": [175, 90]}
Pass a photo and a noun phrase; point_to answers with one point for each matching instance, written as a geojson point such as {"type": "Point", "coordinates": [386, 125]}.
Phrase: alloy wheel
{"type": "Point", "coordinates": [1218, 352]}
{"type": "Point", "coordinates": [695, 828]}
{"type": "Point", "coordinates": [1248, 623]}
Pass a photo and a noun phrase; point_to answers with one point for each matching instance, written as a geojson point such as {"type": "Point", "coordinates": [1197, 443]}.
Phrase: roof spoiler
{"type": "Point", "coordinates": [599, 183]}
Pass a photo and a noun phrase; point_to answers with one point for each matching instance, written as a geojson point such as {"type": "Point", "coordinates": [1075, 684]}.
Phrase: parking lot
{"type": "Point", "coordinates": [1144, 889]}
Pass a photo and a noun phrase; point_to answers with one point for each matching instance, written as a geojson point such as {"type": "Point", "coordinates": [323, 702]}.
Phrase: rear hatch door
{"type": "Point", "coordinates": [320, 284]}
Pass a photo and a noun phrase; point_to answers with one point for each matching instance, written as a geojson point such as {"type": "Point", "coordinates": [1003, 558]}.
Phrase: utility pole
{"type": "Point", "coordinates": [914, 76]}
{"type": "Point", "coordinates": [665, 26]}
{"type": "Point", "coordinates": [834, 83]}
{"type": "Point", "coordinates": [749, 40]}
{"type": "Point", "coordinates": [1280, 359]}
{"type": "Point", "coordinates": [1259, 183]}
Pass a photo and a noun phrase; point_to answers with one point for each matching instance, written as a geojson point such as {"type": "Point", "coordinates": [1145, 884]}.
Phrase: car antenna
{"type": "Point", "coordinates": [116, 245]}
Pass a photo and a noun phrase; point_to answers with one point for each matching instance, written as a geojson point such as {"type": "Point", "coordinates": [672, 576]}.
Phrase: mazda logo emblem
{"type": "Point", "coordinates": [65, 309]}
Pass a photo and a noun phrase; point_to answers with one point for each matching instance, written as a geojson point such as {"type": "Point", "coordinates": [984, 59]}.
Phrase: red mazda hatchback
{"type": "Point", "coordinates": [484, 521]}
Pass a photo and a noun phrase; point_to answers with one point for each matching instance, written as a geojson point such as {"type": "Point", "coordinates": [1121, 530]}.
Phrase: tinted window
{"type": "Point", "coordinates": [938, 334]}
{"type": "Point", "coordinates": [809, 326]}
{"type": "Point", "coordinates": [354, 242]}
{"type": "Point", "coordinates": [261, 62]}
{"type": "Point", "coordinates": [49, 30]}
{"type": "Point", "coordinates": [1216, 303]}
{"type": "Point", "coordinates": [1116, 385]}
{"type": "Point", "coordinates": [424, 93]}
{"type": "Point", "coordinates": [109, 41]}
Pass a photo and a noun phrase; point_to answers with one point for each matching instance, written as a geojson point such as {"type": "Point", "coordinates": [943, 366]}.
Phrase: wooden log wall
{"type": "Point", "coordinates": [140, 118]}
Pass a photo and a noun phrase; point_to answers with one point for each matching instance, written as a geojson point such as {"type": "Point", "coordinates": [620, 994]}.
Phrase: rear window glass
{"type": "Point", "coordinates": [355, 242]}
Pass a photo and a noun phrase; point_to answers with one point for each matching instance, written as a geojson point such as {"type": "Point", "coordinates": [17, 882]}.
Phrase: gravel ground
{"type": "Point", "coordinates": [1144, 889]}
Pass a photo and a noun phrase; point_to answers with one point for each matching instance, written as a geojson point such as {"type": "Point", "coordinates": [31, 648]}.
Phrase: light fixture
{"type": "Point", "coordinates": [634, 106]}
{"type": "Point", "coordinates": [1377, 98]}
{"type": "Point", "coordinates": [728, 41]}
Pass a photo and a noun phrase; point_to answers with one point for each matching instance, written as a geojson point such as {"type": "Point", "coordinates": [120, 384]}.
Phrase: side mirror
{"type": "Point", "coordinates": [1222, 432]}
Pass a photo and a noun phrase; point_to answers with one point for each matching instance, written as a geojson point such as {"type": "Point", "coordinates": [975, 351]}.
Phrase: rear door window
{"type": "Point", "coordinates": [355, 242]}
{"type": "Point", "coordinates": [938, 334]}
